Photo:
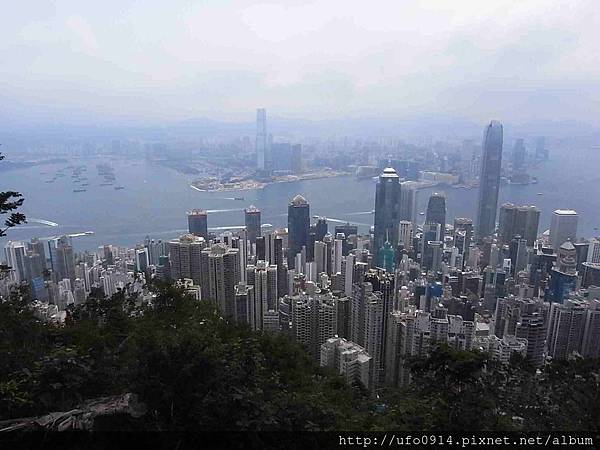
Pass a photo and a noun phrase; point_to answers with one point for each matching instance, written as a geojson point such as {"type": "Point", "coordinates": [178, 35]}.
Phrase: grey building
{"type": "Point", "coordinates": [563, 227]}
{"type": "Point", "coordinates": [387, 210]}
{"type": "Point", "coordinates": [436, 211]}
{"type": "Point", "coordinates": [298, 227]}
{"type": "Point", "coordinates": [489, 180]}
{"type": "Point", "coordinates": [198, 223]}
{"type": "Point", "coordinates": [253, 223]}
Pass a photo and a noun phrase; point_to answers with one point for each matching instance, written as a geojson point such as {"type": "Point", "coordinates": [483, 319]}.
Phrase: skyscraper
{"type": "Point", "coordinates": [541, 152]}
{"type": "Point", "coordinates": [387, 209]}
{"type": "Point", "coordinates": [298, 227]}
{"type": "Point", "coordinates": [185, 258]}
{"type": "Point", "coordinates": [296, 163]}
{"type": "Point", "coordinates": [252, 221]}
{"type": "Point", "coordinates": [262, 162]}
{"type": "Point", "coordinates": [408, 201]}
{"type": "Point", "coordinates": [264, 279]}
{"type": "Point", "coordinates": [518, 220]}
{"type": "Point", "coordinates": [314, 320]}
{"type": "Point", "coordinates": [518, 156]}
{"type": "Point", "coordinates": [436, 211]}
{"type": "Point", "coordinates": [489, 180]}
{"type": "Point", "coordinates": [63, 261]}
{"type": "Point", "coordinates": [198, 223]}
{"type": "Point", "coordinates": [220, 274]}
{"type": "Point", "coordinates": [563, 227]}
{"type": "Point", "coordinates": [532, 328]}
{"type": "Point", "coordinates": [15, 253]}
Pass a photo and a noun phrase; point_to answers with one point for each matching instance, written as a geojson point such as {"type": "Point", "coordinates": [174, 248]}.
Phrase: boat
{"type": "Point", "coordinates": [78, 190]}
{"type": "Point", "coordinates": [540, 193]}
{"type": "Point", "coordinates": [422, 213]}
{"type": "Point", "coordinates": [106, 184]}
{"type": "Point", "coordinates": [118, 188]}
{"type": "Point", "coordinates": [238, 198]}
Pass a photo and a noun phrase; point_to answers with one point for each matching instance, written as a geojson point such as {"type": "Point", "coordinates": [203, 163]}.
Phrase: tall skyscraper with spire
{"type": "Point", "coordinates": [262, 159]}
{"type": "Point", "coordinates": [489, 180]}
{"type": "Point", "coordinates": [387, 210]}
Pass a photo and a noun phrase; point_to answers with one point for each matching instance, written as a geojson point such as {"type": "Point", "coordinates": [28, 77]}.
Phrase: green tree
{"type": "Point", "coordinates": [10, 201]}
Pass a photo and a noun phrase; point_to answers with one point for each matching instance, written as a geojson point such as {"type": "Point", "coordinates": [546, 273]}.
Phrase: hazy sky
{"type": "Point", "coordinates": [147, 60]}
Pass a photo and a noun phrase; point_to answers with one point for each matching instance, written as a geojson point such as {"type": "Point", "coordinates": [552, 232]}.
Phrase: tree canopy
{"type": "Point", "coordinates": [196, 371]}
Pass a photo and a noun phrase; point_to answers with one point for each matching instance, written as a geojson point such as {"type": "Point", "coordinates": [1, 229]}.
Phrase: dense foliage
{"type": "Point", "coordinates": [196, 371]}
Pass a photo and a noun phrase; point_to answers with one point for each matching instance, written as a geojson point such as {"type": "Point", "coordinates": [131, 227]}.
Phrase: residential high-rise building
{"type": "Point", "coordinates": [220, 274]}
{"type": "Point", "coordinates": [185, 258]}
{"type": "Point", "coordinates": [489, 180]}
{"type": "Point", "coordinates": [566, 328]}
{"type": "Point", "coordinates": [387, 211]}
{"type": "Point", "coordinates": [314, 320]}
{"type": "Point", "coordinates": [532, 328]}
{"type": "Point", "coordinates": [262, 152]}
{"type": "Point", "coordinates": [263, 277]}
{"type": "Point", "coordinates": [436, 211]}
{"type": "Point", "coordinates": [348, 359]}
{"type": "Point", "coordinates": [298, 227]}
{"type": "Point", "coordinates": [245, 307]}
{"type": "Point", "coordinates": [16, 253]}
{"type": "Point", "coordinates": [413, 333]}
{"type": "Point", "coordinates": [563, 227]}
{"type": "Point", "coordinates": [252, 222]}
{"type": "Point", "coordinates": [198, 223]}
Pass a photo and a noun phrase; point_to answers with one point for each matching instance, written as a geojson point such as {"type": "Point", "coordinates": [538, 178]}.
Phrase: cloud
{"type": "Point", "coordinates": [180, 59]}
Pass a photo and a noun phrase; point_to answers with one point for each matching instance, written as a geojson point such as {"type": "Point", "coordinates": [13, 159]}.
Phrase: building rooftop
{"type": "Point", "coordinates": [389, 172]}
{"type": "Point", "coordinates": [298, 200]}
{"type": "Point", "coordinates": [565, 212]}
{"type": "Point", "coordinates": [197, 212]}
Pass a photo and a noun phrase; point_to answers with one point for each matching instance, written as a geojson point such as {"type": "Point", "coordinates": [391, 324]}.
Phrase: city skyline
{"type": "Point", "coordinates": [246, 216]}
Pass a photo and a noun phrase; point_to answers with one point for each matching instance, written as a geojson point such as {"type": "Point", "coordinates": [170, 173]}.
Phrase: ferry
{"type": "Point", "coordinates": [239, 198]}
{"type": "Point", "coordinates": [78, 190]}
{"type": "Point", "coordinates": [118, 188]}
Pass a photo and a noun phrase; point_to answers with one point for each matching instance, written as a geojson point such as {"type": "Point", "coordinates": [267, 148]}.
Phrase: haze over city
{"type": "Point", "coordinates": [125, 62]}
{"type": "Point", "coordinates": [371, 219]}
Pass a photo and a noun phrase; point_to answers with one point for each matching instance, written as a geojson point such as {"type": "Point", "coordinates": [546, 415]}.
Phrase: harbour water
{"type": "Point", "coordinates": [154, 200]}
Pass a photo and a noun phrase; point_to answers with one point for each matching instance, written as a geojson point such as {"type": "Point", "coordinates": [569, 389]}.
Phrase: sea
{"type": "Point", "coordinates": [154, 199]}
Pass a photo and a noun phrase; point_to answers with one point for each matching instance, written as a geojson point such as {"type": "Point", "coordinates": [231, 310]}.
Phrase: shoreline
{"type": "Point", "coordinates": [261, 185]}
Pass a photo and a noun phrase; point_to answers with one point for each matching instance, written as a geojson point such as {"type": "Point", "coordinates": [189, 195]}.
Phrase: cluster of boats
{"type": "Point", "coordinates": [80, 180]}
